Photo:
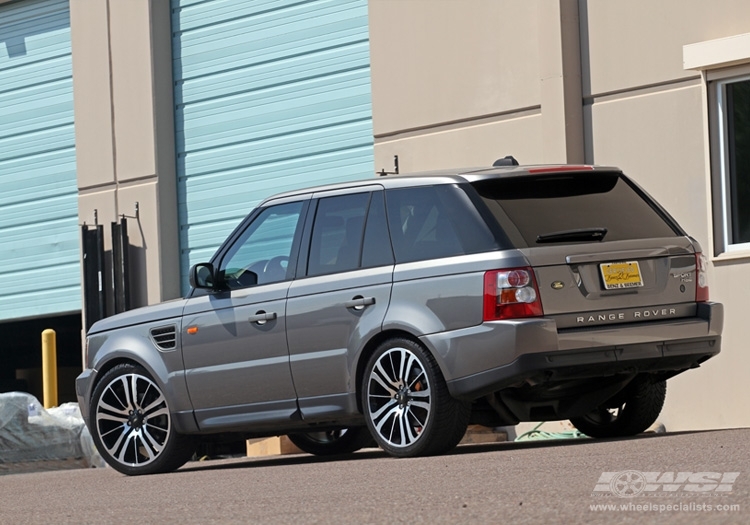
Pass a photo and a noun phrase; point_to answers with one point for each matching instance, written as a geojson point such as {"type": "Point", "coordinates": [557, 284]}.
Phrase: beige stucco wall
{"type": "Point", "coordinates": [125, 133]}
{"type": "Point", "coordinates": [639, 42]}
{"type": "Point", "coordinates": [438, 62]}
{"type": "Point", "coordinates": [445, 91]}
{"type": "Point", "coordinates": [457, 83]}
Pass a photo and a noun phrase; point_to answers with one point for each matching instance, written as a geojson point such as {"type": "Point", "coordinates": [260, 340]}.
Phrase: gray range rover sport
{"type": "Point", "coordinates": [401, 309]}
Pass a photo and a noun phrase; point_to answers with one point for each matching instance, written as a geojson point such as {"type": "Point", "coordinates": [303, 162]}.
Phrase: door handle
{"type": "Point", "coordinates": [358, 302]}
{"type": "Point", "coordinates": [261, 317]}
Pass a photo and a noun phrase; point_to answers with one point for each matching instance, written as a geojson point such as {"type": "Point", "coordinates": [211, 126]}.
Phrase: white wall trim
{"type": "Point", "coordinates": [722, 52]}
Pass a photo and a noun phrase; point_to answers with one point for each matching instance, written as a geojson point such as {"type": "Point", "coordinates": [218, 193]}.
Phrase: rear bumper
{"type": "Point", "coordinates": [493, 356]}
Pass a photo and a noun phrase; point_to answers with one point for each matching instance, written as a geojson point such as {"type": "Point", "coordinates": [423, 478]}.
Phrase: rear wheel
{"type": "Point", "coordinates": [406, 402]}
{"type": "Point", "coordinates": [628, 413]}
{"type": "Point", "coordinates": [132, 425]}
{"type": "Point", "coordinates": [331, 442]}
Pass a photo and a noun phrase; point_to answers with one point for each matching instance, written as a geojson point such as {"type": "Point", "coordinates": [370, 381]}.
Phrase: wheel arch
{"type": "Point", "coordinates": [373, 344]}
{"type": "Point", "coordinates": [165, 368]}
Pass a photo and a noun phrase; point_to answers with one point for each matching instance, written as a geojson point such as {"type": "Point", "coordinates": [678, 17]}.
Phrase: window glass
{"type": "Point", "coordinates": [261, 254]}
{"type": "Point", "coordinates": [377, 248]}
{"type": "Point", "coordinates": [336, 243]}
{"type": "Point", "coordinates": [736, 160]}
{"type": "Point", "coordinates": [429, 222]}
{"type": "Point", "coordinates": [571, 208]}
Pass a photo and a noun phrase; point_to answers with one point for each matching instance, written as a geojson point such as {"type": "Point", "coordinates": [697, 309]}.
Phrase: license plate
{"type": "Point", "coordinates": [618, 275]}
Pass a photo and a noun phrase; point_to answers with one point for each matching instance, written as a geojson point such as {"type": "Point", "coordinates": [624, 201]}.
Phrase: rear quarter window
{"type": "Point", "coordinates": [537, 210]}
{"type": "Point", "coordinates": [431, 222]}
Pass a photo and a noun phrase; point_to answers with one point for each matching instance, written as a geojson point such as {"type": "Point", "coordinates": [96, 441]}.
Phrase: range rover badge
{"type": "Point", "coordinates": [558, 285]}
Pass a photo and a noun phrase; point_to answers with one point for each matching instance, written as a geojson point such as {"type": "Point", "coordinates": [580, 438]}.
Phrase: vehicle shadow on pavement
{"type": "Point", "coordinates": [371, 453]}
{"type": "Point", "coordinates": [277, 461]}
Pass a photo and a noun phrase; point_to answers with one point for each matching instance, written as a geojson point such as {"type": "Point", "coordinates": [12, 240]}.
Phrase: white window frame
{"type": "Point", "coordinates": [724, 168]}
{"type": "Point", "coordinates": [720, 61]}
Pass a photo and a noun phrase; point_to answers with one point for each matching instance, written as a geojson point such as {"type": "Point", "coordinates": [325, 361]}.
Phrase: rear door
{"type": "Point", "coordinates": [339, 298]}
{"type": "Point", "coordinates": [602, 250]}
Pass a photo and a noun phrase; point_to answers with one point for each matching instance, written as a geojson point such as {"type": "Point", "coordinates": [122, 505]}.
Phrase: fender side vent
{"type": "Point", "coordinates": [165, 337]}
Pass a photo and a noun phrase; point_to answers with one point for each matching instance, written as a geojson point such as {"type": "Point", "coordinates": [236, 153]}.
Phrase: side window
{"type": "Point", "coordinates": [336, 243]}
{"type": "Point", "coordinates": [377, 249]}
{"type": "Point", "coordinates": [261, 254]}
{"type": "Point", "coordinates": [430, 222]}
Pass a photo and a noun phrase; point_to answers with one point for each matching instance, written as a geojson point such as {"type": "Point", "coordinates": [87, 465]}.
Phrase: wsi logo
{"type": "Point", "coordinates": [631, 483]}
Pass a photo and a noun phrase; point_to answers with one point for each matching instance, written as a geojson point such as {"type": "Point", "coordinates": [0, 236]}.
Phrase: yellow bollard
{"type": "Point", "coordinates": [49, 367]}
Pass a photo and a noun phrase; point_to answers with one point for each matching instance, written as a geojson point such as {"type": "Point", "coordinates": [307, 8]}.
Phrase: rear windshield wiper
{"type": "Point", "coordinates": [580, 234]}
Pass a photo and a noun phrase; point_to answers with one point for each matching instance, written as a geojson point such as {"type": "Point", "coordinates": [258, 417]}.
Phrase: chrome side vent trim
{"type": "Point", "coordinates": [164, 337]}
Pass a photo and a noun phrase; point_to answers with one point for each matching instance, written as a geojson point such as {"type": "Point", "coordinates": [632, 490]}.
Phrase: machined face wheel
{"type": "Point", "coordinates": [132, 420]}
{"type": "Point", "coordinates": [399, 397]}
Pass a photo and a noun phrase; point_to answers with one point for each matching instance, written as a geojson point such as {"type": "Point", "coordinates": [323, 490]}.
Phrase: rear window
{"type": "Point", "coordinates": [572, 208]}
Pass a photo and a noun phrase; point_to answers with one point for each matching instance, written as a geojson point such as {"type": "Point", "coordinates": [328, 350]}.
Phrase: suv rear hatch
{"type": "Point", "coordinates": [602, 250]}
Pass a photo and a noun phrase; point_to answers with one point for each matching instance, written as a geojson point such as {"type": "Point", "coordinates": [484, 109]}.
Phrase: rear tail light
{"type": "Point", "coordinates": [511, 294]}
{"type": "Point", "coordinates": [701, 285]}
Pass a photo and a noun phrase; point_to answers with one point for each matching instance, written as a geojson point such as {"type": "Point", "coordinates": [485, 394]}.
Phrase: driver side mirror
{"type": "Point", "coordinates": [202, 276]}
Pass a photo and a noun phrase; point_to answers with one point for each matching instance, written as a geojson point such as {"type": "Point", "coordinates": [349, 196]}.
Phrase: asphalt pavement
{"type": "Point", "coordinates": [686, 477]}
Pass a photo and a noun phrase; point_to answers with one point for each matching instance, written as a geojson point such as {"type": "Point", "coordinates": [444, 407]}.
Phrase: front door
{"type": "Point", "coordinates": [234, 342]}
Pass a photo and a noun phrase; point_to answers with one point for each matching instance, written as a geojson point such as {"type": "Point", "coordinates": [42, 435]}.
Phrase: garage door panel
{"type": "Point", "coordinates": [306, 96]}
{"type": "Point", "coordinates": [264, 75]}
{"type": "Point", "coordinates": [218, 132]}
{"type": "Point", "coordinates": [52, 242]}
{"type": "Point", "coordinates": [226, 160]}
{"type": "Point", "coordinates": [267, 35]}
{"type": "Point", "coordinates": [38, 191]}
{"type": "Point", "coordinates": [35, 109]}
{"type": "Point", "coordinates": [26, 146]}
{"type": "Point", "coordinates": [57, 299]}
{"type": "Point", "coordinates": [56, 67]}
{"type": "Point", "coordinates": [269, 96]}
{"type": "Point", "coordinates": [222, 215]}
{"type": "Point", "coordinates": [44, 210]}
{"type": "Point", "coordinates": [193, 15]}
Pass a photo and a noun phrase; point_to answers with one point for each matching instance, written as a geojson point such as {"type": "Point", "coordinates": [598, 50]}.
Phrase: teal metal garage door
{"type": "Point", "coordinates": [39, 274]}
{"type": "Point", "coordinates": [270, 95]}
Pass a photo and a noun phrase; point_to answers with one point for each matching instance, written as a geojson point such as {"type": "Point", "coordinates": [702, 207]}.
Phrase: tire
{"type": "Point", "coordinates": [332, 442]}
{"type": "Point", "coordinates": [131, 424]}
{"type": "Point", "coordinates": [406, 402]}
{"type": "Point", "coordinates": [628, 413]}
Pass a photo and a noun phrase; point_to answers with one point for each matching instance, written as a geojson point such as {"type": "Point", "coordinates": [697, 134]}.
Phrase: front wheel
{"type": "Point", "coordinates": [406, 402]}
{"type": "Point", "coordinates": [331, 442]}
{"type": "Point", "coordinates": [131, 424]}
{"type": "Point", "coordinates": [628, 413]}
